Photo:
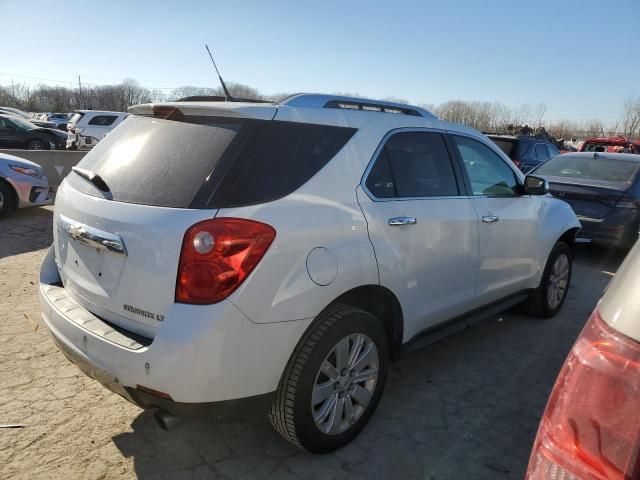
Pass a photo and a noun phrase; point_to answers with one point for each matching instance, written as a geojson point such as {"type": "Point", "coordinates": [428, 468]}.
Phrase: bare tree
{"type": "Point", "coordinates": [540, 110]}
{"type": "Point", "coordinates": [631, 117]}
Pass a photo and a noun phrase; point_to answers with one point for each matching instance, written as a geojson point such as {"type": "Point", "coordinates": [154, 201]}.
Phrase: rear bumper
{"type": "Point", "coordinates": [201, 354]}
{"type": "Point", "coordinates": [602, 232]}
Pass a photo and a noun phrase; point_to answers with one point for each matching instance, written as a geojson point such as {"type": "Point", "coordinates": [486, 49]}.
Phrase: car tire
{"type": "Point", "coordinates": [313, 391]}
{"type": "Point", "coordinates": [36, 144]}
{"type": "Point", "coordinates": [547, 300]}
{"type": "Point", "coordinates": [6, 199]}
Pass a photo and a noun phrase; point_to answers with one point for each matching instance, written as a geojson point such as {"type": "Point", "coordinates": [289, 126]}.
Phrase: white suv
{"type": "Point", "coordinates": [225, 256]}
{"type": "Point", "coordinates": [87, 127]}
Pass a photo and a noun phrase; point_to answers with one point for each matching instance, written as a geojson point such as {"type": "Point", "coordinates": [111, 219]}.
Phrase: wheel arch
{"type": "Point", "coordinates": [383, 304]}
{"type": "Point", "coordinates": [14, 195]}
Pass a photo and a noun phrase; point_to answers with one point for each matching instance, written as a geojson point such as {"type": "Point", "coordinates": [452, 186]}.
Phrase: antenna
{"type": "Point", "coordinates": [227, 95]}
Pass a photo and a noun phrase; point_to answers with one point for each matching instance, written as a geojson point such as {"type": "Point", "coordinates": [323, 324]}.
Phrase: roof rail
{"type": "Point", "coordinates": [218, 98]}
{"type": "Point", "coordinates": [315, 100]}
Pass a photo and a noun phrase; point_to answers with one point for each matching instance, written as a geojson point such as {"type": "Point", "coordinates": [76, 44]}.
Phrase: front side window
{"type": "Point", "coordinates": [413, 164]}
{"type": "Point", "coordinates": [488, 173]}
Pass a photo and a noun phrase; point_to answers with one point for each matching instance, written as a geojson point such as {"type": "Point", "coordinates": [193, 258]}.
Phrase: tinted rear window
{"type": "Point", "coordinates": [506, 145]}
{"type": "Point", "coordinates": [279, 161]}
{"type": "Point", "coordinates": [590, 168]}
{"type": "Point", "coordinates": [159, 162]}
{"type": "Point", "coordinates": [210, 162]}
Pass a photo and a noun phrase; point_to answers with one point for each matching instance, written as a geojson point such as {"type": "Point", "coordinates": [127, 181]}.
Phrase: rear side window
{"type": "Point", "coordinates": [540, 152]}
{"type": "Point", "coordinates": [280, 160]}
{"type": "Point", "coordinates": [553, 150]}
{"type": "Point", "coordinates": [413, 164]}
{"type": "Point", "coordinates": [103, 120]}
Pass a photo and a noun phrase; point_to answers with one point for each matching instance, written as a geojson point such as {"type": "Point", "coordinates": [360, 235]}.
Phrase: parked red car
{"type": "Point", "coordinates": [609, 144]}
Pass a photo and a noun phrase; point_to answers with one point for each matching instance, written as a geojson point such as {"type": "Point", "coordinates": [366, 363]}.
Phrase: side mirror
{"type": "Point", "coordinates": [535, 185]}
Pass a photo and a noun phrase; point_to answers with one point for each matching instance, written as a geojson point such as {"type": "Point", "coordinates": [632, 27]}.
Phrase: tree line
{"type": "Point", "coordinates": [493, 117]}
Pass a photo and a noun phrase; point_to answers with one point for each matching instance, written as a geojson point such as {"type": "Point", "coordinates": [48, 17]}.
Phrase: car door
{"type": "Point", "coordinates": [508, 220]}
{"type": "Point", "coordinates": [423, 228]}
{"type": "Point", "coordinates": [10, 134]}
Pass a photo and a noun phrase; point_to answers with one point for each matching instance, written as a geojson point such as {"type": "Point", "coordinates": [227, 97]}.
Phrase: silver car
{"type": "Point", "coordinates": [22, 184]}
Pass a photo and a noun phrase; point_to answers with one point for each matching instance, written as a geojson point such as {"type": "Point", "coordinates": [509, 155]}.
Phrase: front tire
{"type": "Point", "coordinates": [333, 381]}
{"type": "Point", "coordinates": [36, 145]}
{"type": "Point", "coordinates": [547, 300]}
{"type": "Point", "coordinates": [6, 199]}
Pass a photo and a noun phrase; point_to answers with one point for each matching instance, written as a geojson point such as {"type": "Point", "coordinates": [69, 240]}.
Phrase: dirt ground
{"type": "Point", "coordinates": [466, 407]}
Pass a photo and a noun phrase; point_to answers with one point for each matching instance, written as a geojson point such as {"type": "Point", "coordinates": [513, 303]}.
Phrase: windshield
{"type": "Point", "coordinates": [607, 170]}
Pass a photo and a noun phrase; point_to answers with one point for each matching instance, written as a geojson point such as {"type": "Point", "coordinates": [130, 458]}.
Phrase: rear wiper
{"type": "Point", "coordinates": [92, 177]}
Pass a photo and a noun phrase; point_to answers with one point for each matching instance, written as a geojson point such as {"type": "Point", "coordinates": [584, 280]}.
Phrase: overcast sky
{"type": "Point", "coordinates": [580, 57]}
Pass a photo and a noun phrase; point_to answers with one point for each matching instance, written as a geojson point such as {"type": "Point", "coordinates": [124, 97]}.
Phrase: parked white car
{"type": "Point", "coordinates": [223, 255]}
{"type": "Point", "coordinates": [22, 184]}
{"type": "Point", "coordinates": [88, 127]}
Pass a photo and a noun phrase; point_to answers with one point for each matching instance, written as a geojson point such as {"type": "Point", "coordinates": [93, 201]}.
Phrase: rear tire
{"type": "Point", "coordinates": [333, 381]}
{"type": "Point", "coordinates": [547, 300]}
{"type": "Point", "coordinates": [6, 199]}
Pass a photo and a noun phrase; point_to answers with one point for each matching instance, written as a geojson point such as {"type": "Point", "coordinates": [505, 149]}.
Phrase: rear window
{"type": "Point", "coordinates": [506, 145]}
{"type": "Point", "coordinates": [607, 170]}
{"type": "Point", "coordinates": [76, 118]}
{"type": "Point", "coordinates": [211, 163]}
{"type": "Point", "coordinates": [103, 120]}
{"type": "Point", "coordinates": [158, 162]}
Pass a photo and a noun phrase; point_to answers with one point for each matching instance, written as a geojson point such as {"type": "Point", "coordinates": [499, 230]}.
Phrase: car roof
{"type": "Point", "coordinates": [101, 112]}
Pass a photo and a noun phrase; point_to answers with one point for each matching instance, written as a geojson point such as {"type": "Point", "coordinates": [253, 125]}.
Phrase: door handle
{"type": "Point", "coordinates": [490, 218]}
{"type": "Point", "coordinates": [395, 221]}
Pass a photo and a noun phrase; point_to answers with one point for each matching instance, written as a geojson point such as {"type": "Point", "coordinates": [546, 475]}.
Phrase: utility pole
{"type": "Point", "coordinates": [80, 91]}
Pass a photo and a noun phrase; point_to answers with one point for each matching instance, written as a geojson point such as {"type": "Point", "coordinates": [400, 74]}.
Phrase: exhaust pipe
{"type": "Point", "coordinates": [165, 419]}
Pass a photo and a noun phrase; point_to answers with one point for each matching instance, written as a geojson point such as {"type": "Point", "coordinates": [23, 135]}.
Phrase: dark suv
{"type": "Point", "coordinates": [526, 151]}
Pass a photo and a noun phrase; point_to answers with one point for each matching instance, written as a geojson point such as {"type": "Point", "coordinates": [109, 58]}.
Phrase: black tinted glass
{"type": "Point", "coordinates": [281, 160]}
{"type": "Point", "coordinates": [159, 162]}
{"type": "Point", "coordinates": [103, 120]}
{"type": "Point", "coordinates": [418, 166]}
{"type": "Point", "coordinates": [541, 151]}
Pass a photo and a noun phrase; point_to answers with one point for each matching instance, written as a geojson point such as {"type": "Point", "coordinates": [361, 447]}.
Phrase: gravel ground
{"type": "Point", "coordinates": [466, 407]}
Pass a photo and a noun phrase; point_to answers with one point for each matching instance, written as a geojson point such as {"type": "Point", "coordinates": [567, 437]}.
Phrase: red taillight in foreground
{"type": "Point", "coordinates": [217, 255]}
{"type": "Point", "coordinates": [591, 426]}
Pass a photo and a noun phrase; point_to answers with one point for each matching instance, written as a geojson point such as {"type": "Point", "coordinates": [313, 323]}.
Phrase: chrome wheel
{"type": "Point", "coordinates": [558, 280]}
{"type": "Point", "coordinates": [34, 145]}
{"type": "Point", "coordinates": [345, 384]}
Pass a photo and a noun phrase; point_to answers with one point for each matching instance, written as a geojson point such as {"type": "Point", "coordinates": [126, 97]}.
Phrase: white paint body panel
{"type": "Point", "coordinates": [620, 306]}
{"type": "Point", "coordinates": [444, 266]}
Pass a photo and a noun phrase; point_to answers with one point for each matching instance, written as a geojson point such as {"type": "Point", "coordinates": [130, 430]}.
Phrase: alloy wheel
{"type": "Point", "coordinates": [558, 280]}
{"type": "Point", "coordinates": [345, 384]}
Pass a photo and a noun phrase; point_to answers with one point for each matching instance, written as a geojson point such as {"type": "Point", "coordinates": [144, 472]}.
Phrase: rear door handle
{"type": "Point", "coordinates": [395, 221]}
{"type": "Point", "coordinates": [490, 218]}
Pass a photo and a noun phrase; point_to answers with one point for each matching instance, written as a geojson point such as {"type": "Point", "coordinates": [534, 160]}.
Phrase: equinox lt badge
{"type": "Point", "coordinates": [144, 313]}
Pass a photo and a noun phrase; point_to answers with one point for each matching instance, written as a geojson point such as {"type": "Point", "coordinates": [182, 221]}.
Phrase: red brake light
{"type": "Point", "coordinates": [517, 163]}
{"type": "Point", "coordinates": [590, 429]}
{"type": "Point", "coordinates": [217, 255]}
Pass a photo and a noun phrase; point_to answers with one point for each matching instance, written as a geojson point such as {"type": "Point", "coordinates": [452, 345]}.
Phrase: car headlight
{"type": "Point", "coordinates": [26, 170]}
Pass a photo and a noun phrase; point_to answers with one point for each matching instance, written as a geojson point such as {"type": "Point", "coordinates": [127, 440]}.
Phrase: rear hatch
{"type": "Point", "coordinates": [591, 185]}
{"type": "Point", "coordinates": [120, 218]}
{"type": "Point", "coordinates": [586, 199]}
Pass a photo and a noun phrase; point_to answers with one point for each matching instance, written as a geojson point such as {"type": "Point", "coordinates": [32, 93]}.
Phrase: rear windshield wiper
{"type": "Point", "coordinates": [92, 177]}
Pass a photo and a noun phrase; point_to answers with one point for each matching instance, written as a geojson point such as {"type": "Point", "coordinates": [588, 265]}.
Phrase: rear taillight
{"type": "Point", "coordinates": [217, 255]}
{"type": "Point", "coordinates": [591, 427]}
